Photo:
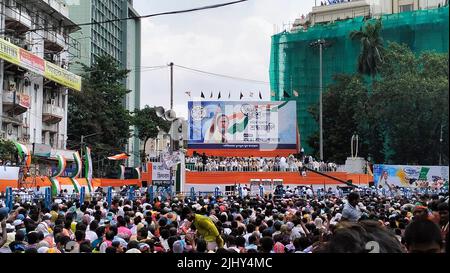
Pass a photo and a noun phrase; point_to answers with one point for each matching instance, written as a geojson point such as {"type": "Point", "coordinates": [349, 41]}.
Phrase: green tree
{"type": "Point", "coordinates": [99, 108]}
{"type": "Point", "coordinates": [343, 110]}
{"type": "Point", "coordinates": [410, 103]}
{"type": "Point", "coordinates": [147, 123]}
{"type": "Point", "coordinates": [8, 150]}
{"type": "Point", "coordinates": [370, 58]}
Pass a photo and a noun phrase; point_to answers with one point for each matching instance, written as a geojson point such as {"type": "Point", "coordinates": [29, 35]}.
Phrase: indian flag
{"type": "Point", "coordinates": [61, 166]}
{"type": "Point", "coordinates": [88, 168]}
{"type": "Point", "coordinates": [24, 154]}
{"type": "Point", "coordinates": [76, 185]}
{"type": "Point", "coordinates": [77, 159]}
{"type": "Point", "coordinates": [56, 187]}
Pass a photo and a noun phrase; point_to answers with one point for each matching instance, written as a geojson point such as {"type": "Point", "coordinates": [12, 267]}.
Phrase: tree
{"type": "Point", "coordinates": [8, 151]}
{"type": "Point", "coordinates": [410, 103]}
{"type": "Point", "coordinates": [342, 113]}
{"type": "Point", "coordinates": [98, 108]}
{"type": "Point", "coordinates": [371, 55]}
{"type": "Point", "coordinates": [147, 123]}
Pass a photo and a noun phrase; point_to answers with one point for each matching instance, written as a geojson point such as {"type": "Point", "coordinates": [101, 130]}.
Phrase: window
{"type": "Point", "coordinates": [406, 8]}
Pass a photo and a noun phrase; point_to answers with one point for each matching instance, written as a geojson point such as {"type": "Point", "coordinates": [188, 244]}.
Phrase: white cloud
{"type": "Point", "coordinates": [233, 40]}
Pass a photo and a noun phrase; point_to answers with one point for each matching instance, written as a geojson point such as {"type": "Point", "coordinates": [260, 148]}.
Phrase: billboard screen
{"type": "Point", "coordinates": [410, 176]}
{"type": "Point", "coordinates": [242, 125]}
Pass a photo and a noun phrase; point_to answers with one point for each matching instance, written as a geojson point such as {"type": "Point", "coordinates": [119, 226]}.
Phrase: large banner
{"type": "Point", "coordinates": [161, 174]}
{"type": "Point", "coordinates": [19, 56]}
{"type": "Point", "coordinates": [242, 125]}
{"type": "Point", "coordinates": [410, 176]}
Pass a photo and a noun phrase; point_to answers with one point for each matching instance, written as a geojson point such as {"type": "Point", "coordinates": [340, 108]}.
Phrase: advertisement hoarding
{"type": "Point", "coordinates": [160, 174]}
{"type": "Point", "coordinates": [242, 125]}
{"type": "Point", "coordinates": [410, 176]}
{"type": "Point", "coordinates": [19, 56]}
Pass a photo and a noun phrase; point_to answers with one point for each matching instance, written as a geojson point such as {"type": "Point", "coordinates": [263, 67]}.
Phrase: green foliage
{"type": "Point", "coordinates": [147, 123]}
{"type": "Point", "coordinates": [371, 55]}
{"type": "Point", "coordinates": [400, 121]}
{"type": "Point", "coordinates": [99, 109]}
{"type": "Point", "coordinates": [410, 103]}
{"type": "Point", "coordinates": [8, 150]}
{"type": "Point", "coordinates": [344, 104]}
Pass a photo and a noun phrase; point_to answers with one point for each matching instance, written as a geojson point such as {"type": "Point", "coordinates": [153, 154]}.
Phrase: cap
{"type": "Point", "coordinates": [17, 223]}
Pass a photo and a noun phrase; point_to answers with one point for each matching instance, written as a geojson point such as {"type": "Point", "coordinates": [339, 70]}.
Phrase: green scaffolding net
{"type": "Point", "coordinates": [294, 64]}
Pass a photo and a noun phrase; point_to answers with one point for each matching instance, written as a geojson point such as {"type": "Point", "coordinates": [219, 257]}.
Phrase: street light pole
{"type": "Point", "coordinates": [440, 147]}
{"type": "Point", "coordinates": [321, 43]}
{"type": "Point", "coordinates": [320, 103]}
{"type": "Point", "coordinates": [171, 86]}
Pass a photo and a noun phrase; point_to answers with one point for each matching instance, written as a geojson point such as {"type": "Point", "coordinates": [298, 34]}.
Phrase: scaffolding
{"type": "Point", "coordinates": [294, 64]}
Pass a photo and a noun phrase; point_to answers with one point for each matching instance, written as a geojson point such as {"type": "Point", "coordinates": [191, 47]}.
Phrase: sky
{"type": "Point", "coordinates": [233, 40]}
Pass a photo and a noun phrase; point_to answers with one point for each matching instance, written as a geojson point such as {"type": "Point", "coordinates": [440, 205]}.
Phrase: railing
{"type": "Point", "coordinates": [53, 110]}
{"type": "Point", "coordinates": [19, 15]}
{"type": "Point", "coordinates": [196, 168]}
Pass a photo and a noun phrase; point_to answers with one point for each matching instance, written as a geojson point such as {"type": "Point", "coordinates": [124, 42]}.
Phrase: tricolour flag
{"type": "Point", "coordinates": [61, 166]}
{"type": "Point", "coordinates": [88, 168]}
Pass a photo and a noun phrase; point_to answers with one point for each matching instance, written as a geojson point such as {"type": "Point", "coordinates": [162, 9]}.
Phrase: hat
{"type": "Point", "coordinates": [133, 250]}
{"type": "Point", "coordinates": [143, 246]}
{"type": "Point", "coordinates": [17, 223]}
{"type": "Point", "coordinates": [47, 216]}
{"type": "Point", "coordinates": [178, 247]}
{"type": "Point", "coordinates": [43, 249]}
{"type": "Point", "coordinates": [214, 218]}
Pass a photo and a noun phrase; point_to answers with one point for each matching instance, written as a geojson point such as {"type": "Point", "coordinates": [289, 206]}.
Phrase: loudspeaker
{"type": "Point", "coordinates": [159, 111]}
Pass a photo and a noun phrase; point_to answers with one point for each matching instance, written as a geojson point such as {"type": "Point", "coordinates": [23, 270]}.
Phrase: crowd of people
{"type": "Point", "coordinates": [297, 222]}
{"type": "Point", "coordinates": [259, 164]}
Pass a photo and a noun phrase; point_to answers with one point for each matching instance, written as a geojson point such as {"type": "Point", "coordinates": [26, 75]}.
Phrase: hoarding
{"type": "Point", "coordinates": [19, 56]}
{"type": "Point", "coordinates": [160, 174]}
{"type": "Point", "coordinates": [242, 125]}
{"type": "Point", "coordinates": [410, 176]}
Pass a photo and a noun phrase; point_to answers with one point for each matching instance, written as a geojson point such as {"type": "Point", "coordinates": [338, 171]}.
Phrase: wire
{"type": "Point", "coordinates": [221, 75]}
{"type": "Point", "coordinates": [144, 16]}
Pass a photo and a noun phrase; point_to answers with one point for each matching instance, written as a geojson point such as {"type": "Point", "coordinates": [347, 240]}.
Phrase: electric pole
{"type": "Point", "coordinates": [171, 86]}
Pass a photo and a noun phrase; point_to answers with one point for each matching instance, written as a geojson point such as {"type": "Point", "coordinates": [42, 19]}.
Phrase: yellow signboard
{"type": "Point", "coordinates": [19, 56]}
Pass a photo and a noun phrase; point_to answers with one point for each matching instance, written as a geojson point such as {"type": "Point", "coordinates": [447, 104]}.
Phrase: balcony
{"type": "Point", "coordinates": [54, 41]}
{"type": "Point", "coordinates": [52, 114]}
{"type": "Point", "coordinates": [52, 128]}
{"type": "Point", "coordinates": [15, 105]}
{"type": "Point", "coordinates": [17, 20]}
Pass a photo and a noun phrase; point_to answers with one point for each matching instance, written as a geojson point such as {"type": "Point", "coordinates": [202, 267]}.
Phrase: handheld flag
{"type": "Point", "coordinates": [211, 95]}
{"type": "Point", "coordinates": [260, 95]}
{"type": "Point", "coordinates": [202, 95]}
{"type": "Point", "coordinates": [241, 96]}
{"type": "Point", "coordinates": [218, 97]}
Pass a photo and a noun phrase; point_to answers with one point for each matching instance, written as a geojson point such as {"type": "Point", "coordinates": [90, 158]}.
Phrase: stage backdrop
{"type": "Point", "coordinates": [242, 125]}
{"type": "Point", "coordinates": [410, 176]}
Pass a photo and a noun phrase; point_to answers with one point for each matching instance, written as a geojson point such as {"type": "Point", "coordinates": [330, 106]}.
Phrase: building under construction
{"type": "Point", "coordinates": [295, 65]}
